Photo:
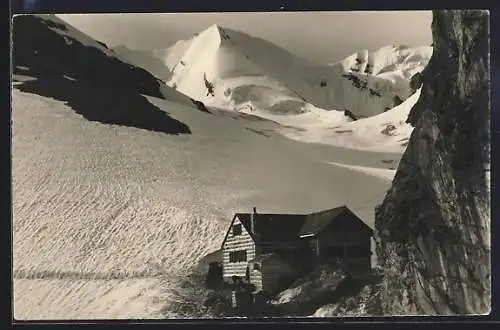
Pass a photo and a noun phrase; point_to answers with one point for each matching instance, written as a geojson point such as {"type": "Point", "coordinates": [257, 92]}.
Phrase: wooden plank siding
{"type": "Point", "coordinates": [237, 243]}
{"type": "Point", "coordinates": [272, 270]}
{"type": "Point", "coordinates": [256, 279]}
{"type": "Point", "coordinates": [267, 278]}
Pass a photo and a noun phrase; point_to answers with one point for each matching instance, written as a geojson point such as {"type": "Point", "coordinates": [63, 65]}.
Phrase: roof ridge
{"type": "Point", "coordinates": [296, 214]}
{"type": "Point", "coordinates": [331, 209]}
{"type": "Point", "coordinates": [280, 214]}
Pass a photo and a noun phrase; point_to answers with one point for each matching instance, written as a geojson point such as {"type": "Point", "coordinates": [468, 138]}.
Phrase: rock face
{"type": "Point", "coordinates": [433, 227]}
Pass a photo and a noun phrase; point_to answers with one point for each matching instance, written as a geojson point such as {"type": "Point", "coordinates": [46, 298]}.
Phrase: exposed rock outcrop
{"type": "Point", "coordinates": [64, 64]}
{"type": "Point", "coordinates": [46, 49]}
{"type": "Point", "coordinates": [433, 227]}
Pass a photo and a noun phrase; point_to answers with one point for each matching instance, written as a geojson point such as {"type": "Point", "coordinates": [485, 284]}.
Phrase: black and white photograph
{"type": "Point", "coordinates": [322, 164]}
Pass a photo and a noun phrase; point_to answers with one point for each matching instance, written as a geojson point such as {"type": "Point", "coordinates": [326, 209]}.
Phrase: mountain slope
{"type": "Point", "coordinates": [172, 55]}
{"type": "Point", "coordinates": [384, 74]}
{"type": "Point", "coordinates": [231, 70]}
{"type": "Point", "coordinates": [145, 59]}
{"type": "Point", "coordinates": [46, 47]}
{"type": "Point", "coordinates": [386, 132]}
{"type": "Point", "coordinates": [118, 202]}
{"type": "Point", "coordinates": [389, 61]}
{"type": "Point", "coordinates": [245, 70]}
{"type": "Point", "coordinates": [116, 194]}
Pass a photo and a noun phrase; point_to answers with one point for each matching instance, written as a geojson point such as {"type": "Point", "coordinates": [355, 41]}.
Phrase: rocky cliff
{"type": "Point", "coordinates": [433, 226]}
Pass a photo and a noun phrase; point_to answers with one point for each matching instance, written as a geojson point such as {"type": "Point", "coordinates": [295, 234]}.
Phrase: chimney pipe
{"type": "Point", "coordinates": [252, 220]}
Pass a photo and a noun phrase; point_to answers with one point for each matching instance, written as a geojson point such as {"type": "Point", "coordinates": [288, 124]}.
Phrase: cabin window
{"type": "Point", "coordinates": [237, 229]}
{"type": "Point", "coordinates": [256, 266]}
{"type": "Point", "coordinates": [357, 251]}
{"type": "Point", "coordinates": [238, 256]}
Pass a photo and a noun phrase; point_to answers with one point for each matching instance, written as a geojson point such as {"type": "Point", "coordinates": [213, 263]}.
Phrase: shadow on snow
{"type": "Point", "coordinates": [105, 105]}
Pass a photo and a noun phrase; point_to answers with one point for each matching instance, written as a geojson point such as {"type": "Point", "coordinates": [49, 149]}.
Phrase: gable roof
{"type": "Point", "coordinates": [228, 230]}
{"type": "Point", "coordinates": [273, 227]}
{"type": "Point", "coordinates": [317, 222]}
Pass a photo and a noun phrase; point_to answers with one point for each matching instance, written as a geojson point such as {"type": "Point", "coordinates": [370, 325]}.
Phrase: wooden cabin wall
{"type": "Point", "coordinates": [272, 270]}
{"type": "Point", "coordinates": [256, 278]}
{"type": "Point", "coordinates": [347, 239]}
{"type": "Point", "coordinates": [287, 250]}
{"type": "Point", "coordinates": [236, 243]}
{"type": "Point", "coordinates": [341, 237]}
{"type": "Point", "coordinates": [271, 246]}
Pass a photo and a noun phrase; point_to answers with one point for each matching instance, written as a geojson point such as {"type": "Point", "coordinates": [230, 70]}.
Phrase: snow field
{"type": "Point", "coordinates": [100, 200]}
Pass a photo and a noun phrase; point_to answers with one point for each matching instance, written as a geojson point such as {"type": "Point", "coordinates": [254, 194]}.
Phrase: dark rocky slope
{"type": "Point", "coordinates": [41, 45]}
{"type": "Point", "coordinates": [70, 67]}
{"type": "Point", "coordinates": [433, 227]}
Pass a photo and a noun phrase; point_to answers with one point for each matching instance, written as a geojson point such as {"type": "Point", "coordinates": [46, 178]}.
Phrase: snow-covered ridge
{"type": "Point", "coordinates": [231, 70]}
{"type": "Point", "coordinates": [366, 83]}
{"type": "Point", "coordinates": [401, 59]}
{"type": "Point", "coordinates": [67, 30]}
{"type": "Point", "coordinates": [172, 55]}
{"type": "Point", "coordinates": [384, 132]}
{"type": "Point", "coordinates": [145, 58]}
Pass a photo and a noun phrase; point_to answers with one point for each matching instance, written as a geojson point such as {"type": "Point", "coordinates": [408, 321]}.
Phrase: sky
{"type": "Point", "coordinates": [318, 36]}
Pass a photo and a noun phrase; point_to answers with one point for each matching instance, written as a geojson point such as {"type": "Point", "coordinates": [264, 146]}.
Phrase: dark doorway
{"type": "Point", "coordinates": [214, 276]}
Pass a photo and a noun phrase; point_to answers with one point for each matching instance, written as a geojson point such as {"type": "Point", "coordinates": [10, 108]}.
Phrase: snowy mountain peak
{"type": "Point", "coordinates": [213, 30]}
{"type": "Point", "coordinates": [233, 70]}
{"type": "Point", "coordinates": [215, 27]}
{"type": "Point", "coordinates": [218, 33]}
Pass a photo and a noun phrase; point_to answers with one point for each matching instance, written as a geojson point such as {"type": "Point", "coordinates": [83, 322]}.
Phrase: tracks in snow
{"type": "Point", "coordinates": [74, 275]}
